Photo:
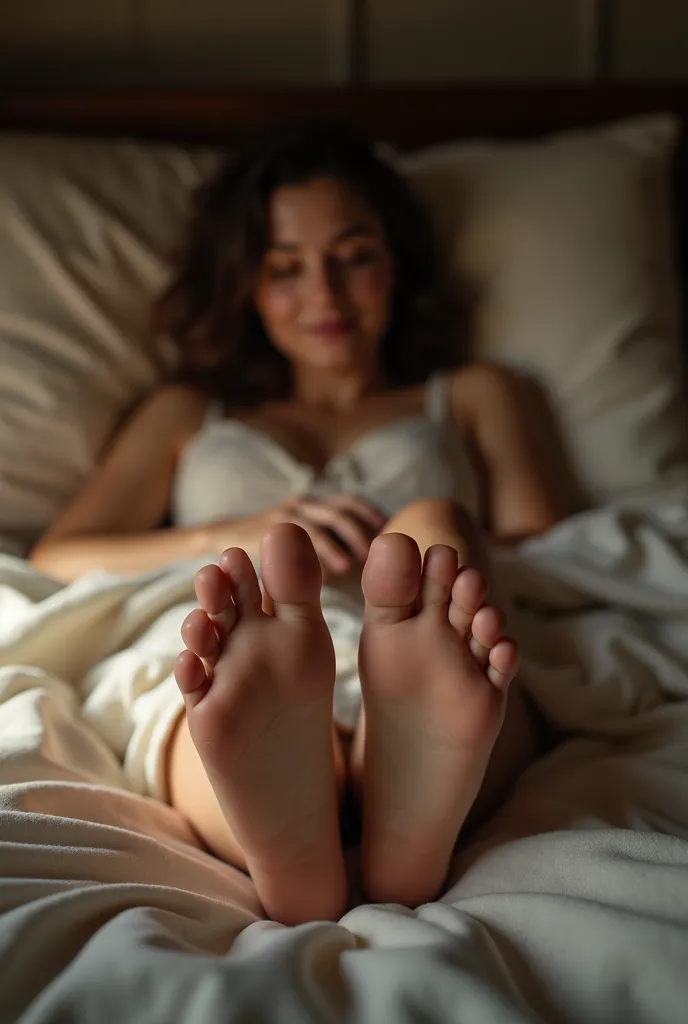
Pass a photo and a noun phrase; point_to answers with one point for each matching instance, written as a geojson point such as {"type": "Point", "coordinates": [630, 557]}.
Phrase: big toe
{"type": "Point", "coordinates": [291, 571]}
{"type": "Point", "coordinates": [391, 578]}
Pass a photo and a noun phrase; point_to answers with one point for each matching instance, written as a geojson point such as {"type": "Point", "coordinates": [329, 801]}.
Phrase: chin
{"type": "Point", "coordinates": [338, 364]}
{"type": "Point", "coordinates": [341, 355]}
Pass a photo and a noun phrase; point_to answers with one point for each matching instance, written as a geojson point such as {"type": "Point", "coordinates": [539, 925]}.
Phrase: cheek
{"type": "Point", "coordinates": [373, 287]}
{"type": "Point", "coordinates": [276, 305]}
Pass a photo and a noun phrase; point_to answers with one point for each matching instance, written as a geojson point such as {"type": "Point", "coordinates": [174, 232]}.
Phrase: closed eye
{"type": "Point", "coordinates": [361, 258]}
{"type": "Point", "coordinates": [282, 272]}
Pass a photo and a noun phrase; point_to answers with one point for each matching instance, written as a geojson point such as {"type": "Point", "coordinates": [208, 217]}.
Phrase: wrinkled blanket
{"type": "Point", "coordinates": [570, 906]}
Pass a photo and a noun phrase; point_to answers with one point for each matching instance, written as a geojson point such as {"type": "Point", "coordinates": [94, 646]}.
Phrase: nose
{"type": "Point", "coordinates": [325, 282]}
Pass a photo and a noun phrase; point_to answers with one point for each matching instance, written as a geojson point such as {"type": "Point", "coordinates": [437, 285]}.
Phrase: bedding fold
{"type": "Point", "coordinates": [570, 905]}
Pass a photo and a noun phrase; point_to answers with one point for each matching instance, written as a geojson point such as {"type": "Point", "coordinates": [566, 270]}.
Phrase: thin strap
{"type": "Point", "coordinates": [214, 413]}
{"type": "Point", "coordinates": [436, 398]}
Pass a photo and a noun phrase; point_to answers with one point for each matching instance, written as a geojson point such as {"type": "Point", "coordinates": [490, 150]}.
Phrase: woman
{"type": "Point", "coordinates": [311, 427]}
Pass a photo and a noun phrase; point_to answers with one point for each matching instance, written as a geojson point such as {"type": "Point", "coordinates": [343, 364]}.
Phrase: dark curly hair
{"type": "Point", "coordinates": [207, 308]}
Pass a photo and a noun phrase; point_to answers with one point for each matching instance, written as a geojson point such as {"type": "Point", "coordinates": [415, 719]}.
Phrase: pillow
{"type": "Point", "coordinates": [84, 229]}
{"type": "Point", "coordinates": [565, 242]}
{"type": "Point", "coordinates": [565, 245]}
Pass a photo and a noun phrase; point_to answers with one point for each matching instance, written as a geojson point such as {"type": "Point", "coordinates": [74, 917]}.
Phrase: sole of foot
{"type": "Point", "coordinates": [258, 692]}
{"type": "Point", "coordinates": [435, 670]}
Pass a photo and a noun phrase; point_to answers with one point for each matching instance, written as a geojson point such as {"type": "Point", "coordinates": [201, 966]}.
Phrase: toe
{"type": "Point", "coordinates": [440, 566]}
{"type": "Point", "coordinates": [213, 589]}
{"type": "Point", "coordinates": [468, 593]}
{"type": "Point", "coordinates": [191, 677]}
{"type": "Point", "coordinates": [503, 663]}
{"type": "Point", "coordinates": [486, 629]}
{"type": "Point", "coordinates": [391, 578]}
{"type": "Point", "coordinates": [291, 571]}
{"type": "Point", "coordinates": [242, 581]}
{"type": "Point", "coordinates": [214, 592]}
{"type": "Point", "coordinates": [200, 636]}
{"type": "Point", "coordinates": [488, 625]}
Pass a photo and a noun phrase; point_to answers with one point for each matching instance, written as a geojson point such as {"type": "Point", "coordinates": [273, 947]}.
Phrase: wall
{"type": "Point", "coordinates": [215, 42]}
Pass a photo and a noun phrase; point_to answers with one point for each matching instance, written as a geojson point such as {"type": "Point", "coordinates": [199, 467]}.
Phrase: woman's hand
{"type": "Point", "coordinates": [341, 527]}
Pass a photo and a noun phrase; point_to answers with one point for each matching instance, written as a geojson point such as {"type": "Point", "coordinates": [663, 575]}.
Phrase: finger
{"type": "Point", "coordinates": [345, 526]}
{"type": "Point", "coordinates": [359, 507]}
{"type": "Point", "coordinates": [333, 558]}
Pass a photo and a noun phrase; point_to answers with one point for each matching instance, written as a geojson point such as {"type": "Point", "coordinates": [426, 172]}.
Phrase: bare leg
{"type": "Point", "coordinates": [437, 521]}
{"type": "Point", "coordinates": [258, 694]}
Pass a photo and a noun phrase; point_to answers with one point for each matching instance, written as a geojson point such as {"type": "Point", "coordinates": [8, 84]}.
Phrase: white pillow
{"type": "Point", "coordinates": [565, 239]}
{"type": "Point", "coordinates": [84, 230]}
{"type": "Point", "coordinates": [566, 244]}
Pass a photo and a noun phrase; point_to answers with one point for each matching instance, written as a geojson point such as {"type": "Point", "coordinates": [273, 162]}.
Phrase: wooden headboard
{"type": "Point", "coordinates": [408, 116]}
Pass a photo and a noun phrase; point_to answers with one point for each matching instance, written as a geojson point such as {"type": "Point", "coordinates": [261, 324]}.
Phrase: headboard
{"type": "Point", "coordinates": [408, 116]}
{"type": "Point", "coordinates": [405, 115]}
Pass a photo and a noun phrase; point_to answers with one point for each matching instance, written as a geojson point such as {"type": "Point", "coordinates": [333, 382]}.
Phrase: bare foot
{"type": "Point", "coordinates": [435, 671]}
{"type": "Point", "coordinates": [258, 693]}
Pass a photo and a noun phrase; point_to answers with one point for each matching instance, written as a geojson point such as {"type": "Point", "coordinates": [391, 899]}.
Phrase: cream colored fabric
{"type": "Point", "coordinates": [234, 469]}
{"type": "Point", "coordinates": [570, 905]}
{"type": "Point", "coordinates": [84, 229]}
{"type": "Point", "coordinates": [566, 245]}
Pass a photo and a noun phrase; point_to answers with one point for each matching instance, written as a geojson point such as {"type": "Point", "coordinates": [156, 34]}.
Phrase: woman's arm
{"type": "Point", "coordinates": [521, 498]}
{"type": "Point", "coordinates": [113, 523]}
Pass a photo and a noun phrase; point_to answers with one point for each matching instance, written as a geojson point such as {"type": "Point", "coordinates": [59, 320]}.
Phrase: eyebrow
{"type": "Point", "coordinates": [354, 231]}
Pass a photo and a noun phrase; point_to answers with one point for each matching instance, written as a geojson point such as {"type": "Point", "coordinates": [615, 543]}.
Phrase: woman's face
{"type": "Point", "coordinates": [324, 292]}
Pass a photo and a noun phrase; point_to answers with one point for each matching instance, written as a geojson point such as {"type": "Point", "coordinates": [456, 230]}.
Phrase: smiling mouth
{"type": "Point", "coordinates": [333, 327]}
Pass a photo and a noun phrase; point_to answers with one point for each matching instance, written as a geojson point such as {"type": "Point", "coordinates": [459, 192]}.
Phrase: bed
{"type": "Point", "coordinates": [571, 904]}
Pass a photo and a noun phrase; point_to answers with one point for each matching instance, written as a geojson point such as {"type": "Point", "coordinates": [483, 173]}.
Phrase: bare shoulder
{"type": "Point", "coordinates": [175, 400]}
{"type": "Point", "coordinates": [483, 375]}
{"type": "Point", "coordinates": [479, 387]}
{"type": "Point", "coordinates": [172, 411]}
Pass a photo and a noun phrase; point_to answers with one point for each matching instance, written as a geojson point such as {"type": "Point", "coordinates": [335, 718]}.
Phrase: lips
{"type": "Point", "coordinates": [332, 327]}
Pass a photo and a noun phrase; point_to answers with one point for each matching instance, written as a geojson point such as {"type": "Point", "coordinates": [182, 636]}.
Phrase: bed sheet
{"type": "Point", "coordinates": [571, 905]}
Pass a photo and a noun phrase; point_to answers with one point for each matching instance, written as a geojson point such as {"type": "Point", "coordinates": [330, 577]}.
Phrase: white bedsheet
{"type": "Point", "coordinates": [572, 906]}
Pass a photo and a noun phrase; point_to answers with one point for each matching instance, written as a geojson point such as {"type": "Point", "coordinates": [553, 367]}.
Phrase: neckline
{"type": "Point", "coordinates": [346, 453]}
